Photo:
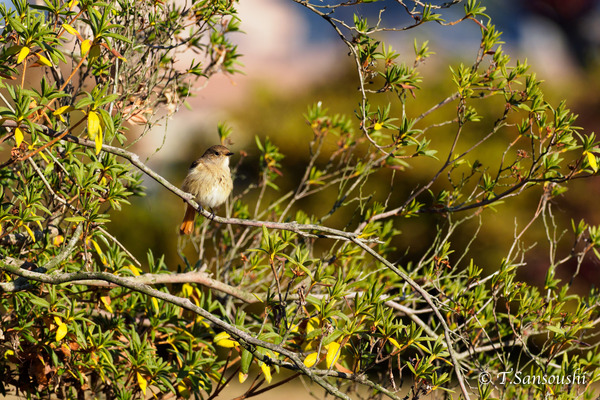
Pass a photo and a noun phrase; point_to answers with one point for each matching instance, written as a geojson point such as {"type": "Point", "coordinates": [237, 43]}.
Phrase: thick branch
{"type": "Point", "coordinates": [198, 277]}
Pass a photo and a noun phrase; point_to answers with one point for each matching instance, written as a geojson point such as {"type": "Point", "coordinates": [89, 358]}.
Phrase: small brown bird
{"type": "Point", "coordinates": [209, 180]}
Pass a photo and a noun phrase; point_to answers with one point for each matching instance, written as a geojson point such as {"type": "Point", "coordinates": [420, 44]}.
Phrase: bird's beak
{"type": "Point", "coordinates": [229, 154]}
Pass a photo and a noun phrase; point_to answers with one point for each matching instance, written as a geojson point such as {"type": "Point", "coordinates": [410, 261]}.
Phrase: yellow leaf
{"type": "Point", "coordinates": [333, 353]}
{"type": "Point", "coordinates": [95, 129]}
{"type": "Point", "coordinates": [30, 232]}
{"type": "Point", "coordinates": [311, 359]}
{"type": "Point", "coordinates": [23, 53]}
{"type": "Point", "coordinates": [313, 324]}
{"type": "Point", "coordinates": [242, 377]}
{"type": "Point", "coordinates": [221, 336]}
{"type": "Point", "coordinates": [223, 340]}
{"type": "Point", "coordinates": [395, 343]}
{"type": "Point", "coordinates": [419, 345]}
{"type": "Point", "coordinates": [70, 29]}
{"type": "Point", "coordinates": [85, 46]}
{"type": "Point", "coordinates": [96, 246]}
{"type": "Point", "coordinates": [18, 136]}
{"type": "Point", "coordinates": [93, 124]}
{"type": "Point", "coordinates": [57, 320]}
{"type": "Point", "coordinates": [43, 156]}
{"type": "Point", "coordinates": [98, 142]}
{"type": "Point", "coordinates": [106, 301]}
{"type": "Point", "coordinates": [310, 346]}
{"type": "Point", "coordinates": [266, 370]}
{"type": "Point", "coordinates": [136, 271]}
{"type": "Point", "coordinates": [43, 60]}
{"type": "Point", "coordinates": [155, 304]}
{"type": "Point", "coordinates": [227, 343]}
{"type": "Point", "coordinates": [183, 391]}
{"type": "Point", "coordinates": [202, 321]}
{"type": "Point", "coordinates": [444, 360]}
{"type": "Point", "coordinates": [61, 332]}
{"type": "Point", "coordinates": [142, 383]}
{"type": "Point", "coordinates": [61, 110]}
{"type": "Point", "coordinates": [592, 160]}
{"type": "Point", "coordinates": [378, 126]}
{"type": "Point", "coordinates": [187, 289]}
{"type": "Point", "coordinates": [257, 297]}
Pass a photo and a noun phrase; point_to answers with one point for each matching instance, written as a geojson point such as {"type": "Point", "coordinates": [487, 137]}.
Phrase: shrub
{"type": "Point", "coordinates": [330, 293]}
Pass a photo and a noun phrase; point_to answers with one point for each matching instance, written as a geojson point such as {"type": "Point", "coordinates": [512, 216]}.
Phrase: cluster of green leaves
{"type": "Point", "coordinates": [74, 76]}
{"type": "Point", "coordinates": [64, 344]}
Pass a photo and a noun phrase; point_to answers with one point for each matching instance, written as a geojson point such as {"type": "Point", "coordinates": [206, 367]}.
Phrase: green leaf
{"type": "Point", "coordinates": [75, 219]}
{"type": "Point", "coordinates": [38, 301]}
{"type": "Point", "coordinates": [556, 329]}
{"type": "Point", "coordinates": [246, 360]}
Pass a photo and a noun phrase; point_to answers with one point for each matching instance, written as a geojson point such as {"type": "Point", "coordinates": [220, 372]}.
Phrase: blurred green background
{"type": "Point", "coordinates": [293, 60]}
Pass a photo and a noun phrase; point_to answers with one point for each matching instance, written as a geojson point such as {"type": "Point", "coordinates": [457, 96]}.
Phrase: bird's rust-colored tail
{"type": "Point", "coordinates": [188, 221]}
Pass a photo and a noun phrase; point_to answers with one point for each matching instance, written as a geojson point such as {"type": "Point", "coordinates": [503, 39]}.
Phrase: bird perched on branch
{"type": "Point", "coordinates": [209, 180]}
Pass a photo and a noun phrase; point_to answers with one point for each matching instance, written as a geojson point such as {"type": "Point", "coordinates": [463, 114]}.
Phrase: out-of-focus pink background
{"type": "Point", "coordinates": [292, 59]}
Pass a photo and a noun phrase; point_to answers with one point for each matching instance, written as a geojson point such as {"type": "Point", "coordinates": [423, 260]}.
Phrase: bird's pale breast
{"type": "Point", "coordinates": [210, 183]}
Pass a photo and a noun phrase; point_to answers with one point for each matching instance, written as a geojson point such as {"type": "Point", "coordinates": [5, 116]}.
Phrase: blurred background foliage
{"type": "Point", "coordinates": [292, 71]}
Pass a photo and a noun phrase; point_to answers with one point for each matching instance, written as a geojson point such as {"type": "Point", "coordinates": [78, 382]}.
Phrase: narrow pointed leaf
{"type": "Point", "coordinates": [43, 60]}
{"type": "Point", "coordinates": [71, 30]}
{"type": "Point", "coordinates": [18, 136]}
{"type": "Point", "coordinates": [592, 160]}
{"type": "Point", "coordinates": [23, 54]}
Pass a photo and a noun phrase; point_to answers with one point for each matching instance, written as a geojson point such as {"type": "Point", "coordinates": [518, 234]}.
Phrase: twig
{"type": "Point", "coordinates": [427, 297]}
{"type": "Point", "coordinates": [486, 348]}
{"type": "Point", "coordinates": [301, 229]}
{"type": "Point", "coordinates": [62, 256]}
